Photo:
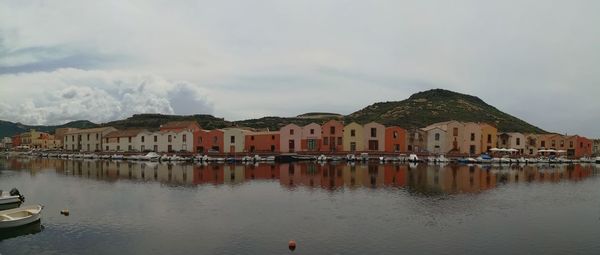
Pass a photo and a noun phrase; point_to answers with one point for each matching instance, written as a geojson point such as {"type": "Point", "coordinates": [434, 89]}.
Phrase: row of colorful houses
{"type": "Point", "coordinates": [333, 136]}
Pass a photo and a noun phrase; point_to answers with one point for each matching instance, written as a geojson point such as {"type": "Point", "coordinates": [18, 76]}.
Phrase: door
{"type": "Point", "coordinates": [291, 145]}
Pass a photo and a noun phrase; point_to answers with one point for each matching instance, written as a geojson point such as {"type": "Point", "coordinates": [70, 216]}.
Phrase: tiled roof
{"type": "Point", "coordinates": [124, 133]}
{"type": "Point", "coordinates": [88, 130]}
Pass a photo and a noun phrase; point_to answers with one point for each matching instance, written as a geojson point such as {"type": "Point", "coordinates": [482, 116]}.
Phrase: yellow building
{"type": "Point", "coordinates": [489, 137]}
{"type": "Point", "coordinates": [353, 137]}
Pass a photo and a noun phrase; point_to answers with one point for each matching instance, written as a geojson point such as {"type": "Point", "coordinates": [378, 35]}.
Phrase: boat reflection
{"type": "Point", "coordinates": [421, 178]}
{"type": "Point", "coordinates": [28, 229]}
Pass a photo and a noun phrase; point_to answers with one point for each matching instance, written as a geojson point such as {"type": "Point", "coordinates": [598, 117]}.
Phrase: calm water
{"type": "Point", "coordinates": [150, 208]}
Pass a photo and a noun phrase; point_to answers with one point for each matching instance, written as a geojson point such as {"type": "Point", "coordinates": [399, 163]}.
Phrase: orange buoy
{"type": "Point", "coordinates": [292, 245]}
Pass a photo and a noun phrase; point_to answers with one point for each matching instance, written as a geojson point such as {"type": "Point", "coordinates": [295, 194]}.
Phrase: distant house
{"type": "Point", "coordinates": [233, 140]}
{"type": "Point", "coordinates": [125, 140]}
{"type": "Point", "coordinates": [416, 140]}
{"type": "Point", "coordinates": [374, 137]}
{"type": "Point", "coordinates": [395, 139]}
{"type": "Point", "coordinates": [210, 141]}
{"type": "Point", "coordinates": [489, 137]}
{"type": "Point", "coordinates": [311, 137]}
{"type": "Point", "coordinates": [512, 140]}
{"type": "Point", "coordinates": [86, 140]}
{"type": "Point", "coordinates": [332, 134]}
{"type": "Point", "coordinates": [437, 140]}
{"type": "Point", "coordinates": [354, 138]}
{"type": "Point", "coordinates": [262, 142]}
{"type": "Point", "coordinates": [290, 138]}
{"type": "Point", "coordinates": [596, 147]}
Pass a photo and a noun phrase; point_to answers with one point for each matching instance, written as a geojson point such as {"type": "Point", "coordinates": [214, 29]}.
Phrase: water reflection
{"type": "Point", "coordinates": [28, 229]}
{"type": "Point", "coordinates": [422, 178]}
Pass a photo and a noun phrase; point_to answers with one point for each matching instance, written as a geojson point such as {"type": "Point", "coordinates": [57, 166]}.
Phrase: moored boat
{"type": "Point", "coordinates": [11, 199]}
{"type": "Point", "coordinates": [20, 216]}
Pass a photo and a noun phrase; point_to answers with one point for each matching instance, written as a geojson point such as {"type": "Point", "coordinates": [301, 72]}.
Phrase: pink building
{"type": "Point", "coordinates": [291, 138]}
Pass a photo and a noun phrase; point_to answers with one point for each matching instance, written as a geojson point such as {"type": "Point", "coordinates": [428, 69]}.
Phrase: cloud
{"type": "Point", "coordinates": [245, 59]}
{"type": "Point", "coordinates": [71, 94]}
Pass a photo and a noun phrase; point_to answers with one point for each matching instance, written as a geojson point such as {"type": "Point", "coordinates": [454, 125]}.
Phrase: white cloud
{"type": "Point", "coordinates": [269, 57]}
{"type": "Point", "coordinates": [100, 96]}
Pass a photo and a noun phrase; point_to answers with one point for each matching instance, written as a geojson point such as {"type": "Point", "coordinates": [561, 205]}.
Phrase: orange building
{"type": "Point", "coordinates": [395, 139]}
{"type": "Point", "coordinates": [209, 141]}
{"type": "Point", "coordinates": [332, 136]}
{"type": "Point", "coordinates": [16, 140]}
{"type": "Point", "coordinates": [262, 142]}
{"type": "Point", "coordinates": [583, 147]}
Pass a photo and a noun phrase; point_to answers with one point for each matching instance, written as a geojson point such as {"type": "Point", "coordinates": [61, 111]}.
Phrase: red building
{"type": "Point", "coordinates": [583, 147]}
{"type": "Point", "coordinates": [395, 139]}
{"type": "Point", "coordinates": [16, 140]}
{"type": "Point", "coordinates": [210, 141]}
{"type": "Point", "coordinates": [262, 142]}
{"type": "Point", "coordinates": [332, 136]}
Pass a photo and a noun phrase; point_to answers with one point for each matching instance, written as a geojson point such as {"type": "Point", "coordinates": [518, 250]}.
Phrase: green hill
{"type": "Point", "coordinates": [438, 105]}
{"type": "Point", "coordinates": [419, 110]}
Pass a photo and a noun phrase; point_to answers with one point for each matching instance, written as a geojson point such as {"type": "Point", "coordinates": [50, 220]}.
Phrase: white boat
{"type": "Point", "coordinates": [598, 160]}
{"type": "Point", "coordinates": [20, 216]}
{"type": "Point", "coordinates": [257, 158]}
{"type": "Point", "coordinates": [413, 158]}
{"type": "Point", "coordinates": [117, 157]}
{"type": "Point", "coordinates": [10, 199]}
{"type": "Point", "coordinates": [364, 156]}
{"type": "Point", "coordinates": [151, 156]}
{"type": "Point", "coordinates": [350, 157]}
{"type": "Point", "coordinates": [322, 158]}
{"type": "Point", "coordinates": [105, 156]}
{"type": "Point", "coordinates": [270, 158]}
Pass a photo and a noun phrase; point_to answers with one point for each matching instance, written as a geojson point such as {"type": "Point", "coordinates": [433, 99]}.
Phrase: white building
{"type": "Point", "coordinates": [86, 140]}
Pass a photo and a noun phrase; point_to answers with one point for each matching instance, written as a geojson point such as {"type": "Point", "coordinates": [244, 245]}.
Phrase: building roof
{"type": "Point", "coordinates": [89, 130]}
{"type": "Point", "coordinates": [124, 133]}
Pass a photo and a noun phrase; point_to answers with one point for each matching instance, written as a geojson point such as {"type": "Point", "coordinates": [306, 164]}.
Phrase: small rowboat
{"type": "Point", "coordinates": [20, 216]}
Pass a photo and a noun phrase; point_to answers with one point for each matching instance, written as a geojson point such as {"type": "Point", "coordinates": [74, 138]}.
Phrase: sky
{"type": "Point", "coordinates": [105, 60]}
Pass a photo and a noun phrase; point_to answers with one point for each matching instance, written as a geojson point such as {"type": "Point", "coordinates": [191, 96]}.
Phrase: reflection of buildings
{"type": "Point", "coordinates": [425, 179]}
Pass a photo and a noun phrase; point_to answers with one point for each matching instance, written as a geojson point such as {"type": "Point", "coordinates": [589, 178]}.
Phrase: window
{"type": "Point", "coordinates": [107, 148]}
{"type": "Point", "coordinates": [272, 148]}
{"type": "Point", "coordinates": [437, 136]}
{"type": "Point", "coordinates": [97, 136]}
{"type": "Point", "coordinates": [106, 140]}
{"type": "Point", "coordinates": [339, 140]}
{"type": "Point", "coordinates": [291, 131]}
{"type": "Point", "coordinates": [169, 139]}
{"type": "Point", "coordinates": [489, 138]}
{"type": "Point", "coordinates": [129, 139]}
{"type": "Point", "coordinates": [553, 143]}
{"type": "Point", "coordinates": [472, 136]}
{"type": "Point", "coordinates": [155, 138]}
{"type": "Point", "coordinates": [88, 137]}
{"type": "Point", "coordinates": [215, 139]}
{"type": "Point", "coordinates": [118, 139]}
{"type": "Point", "coordinates": [543, 143]}
{"type": "Point", "coordinates": [170, 148]}
{"type": "Point", "coordinates": [184, 138]}
{"type": "Point", "coordinates": [332, 130]}
{"type": "Point", "coordinates": [562, 143]}
{"type": "Point", "coordinates": [581, 145]}
{"type": "Point", "coordinates": [72, 138]}
{"type": "Point", "coordinates": [199, 139]}
{"type": "Point", "coordinates": [395, 134]}
{"type": "Point", "coordinates": [142, 139]}
{"type": "Point", "coordinates": [272, 137]}
{"type": "Point", "coordinates": [518, 141]}
{"type": "Point", "coordinates": [142, 148]}
{"type": "Point", "coordinates": [455, 130]}
{"type": "Point", "coordinates": [251, 138]}
{"type": "Point", "coordinates": [232, 139]}
{"type": "Point", "coordinates": [155, 148]}
{"type": "Point", "coordinates": [118, 147]}
{"type": "Point", "coordinates": [326, 141]}
{"type": "Point", "coordinates": [353, 133]}
{"type": "Point", "coordinates": [373, 132]}
{"type": "Point", "coordinates": [571, 144]}
{"type": "Point", "coordinates": [129, 148]}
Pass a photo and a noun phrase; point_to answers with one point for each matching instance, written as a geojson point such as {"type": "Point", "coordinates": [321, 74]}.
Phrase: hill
{"type": "Point", "coordinates": [419, 110]}
{"type": "Point", "coordinates": [438, 105]}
